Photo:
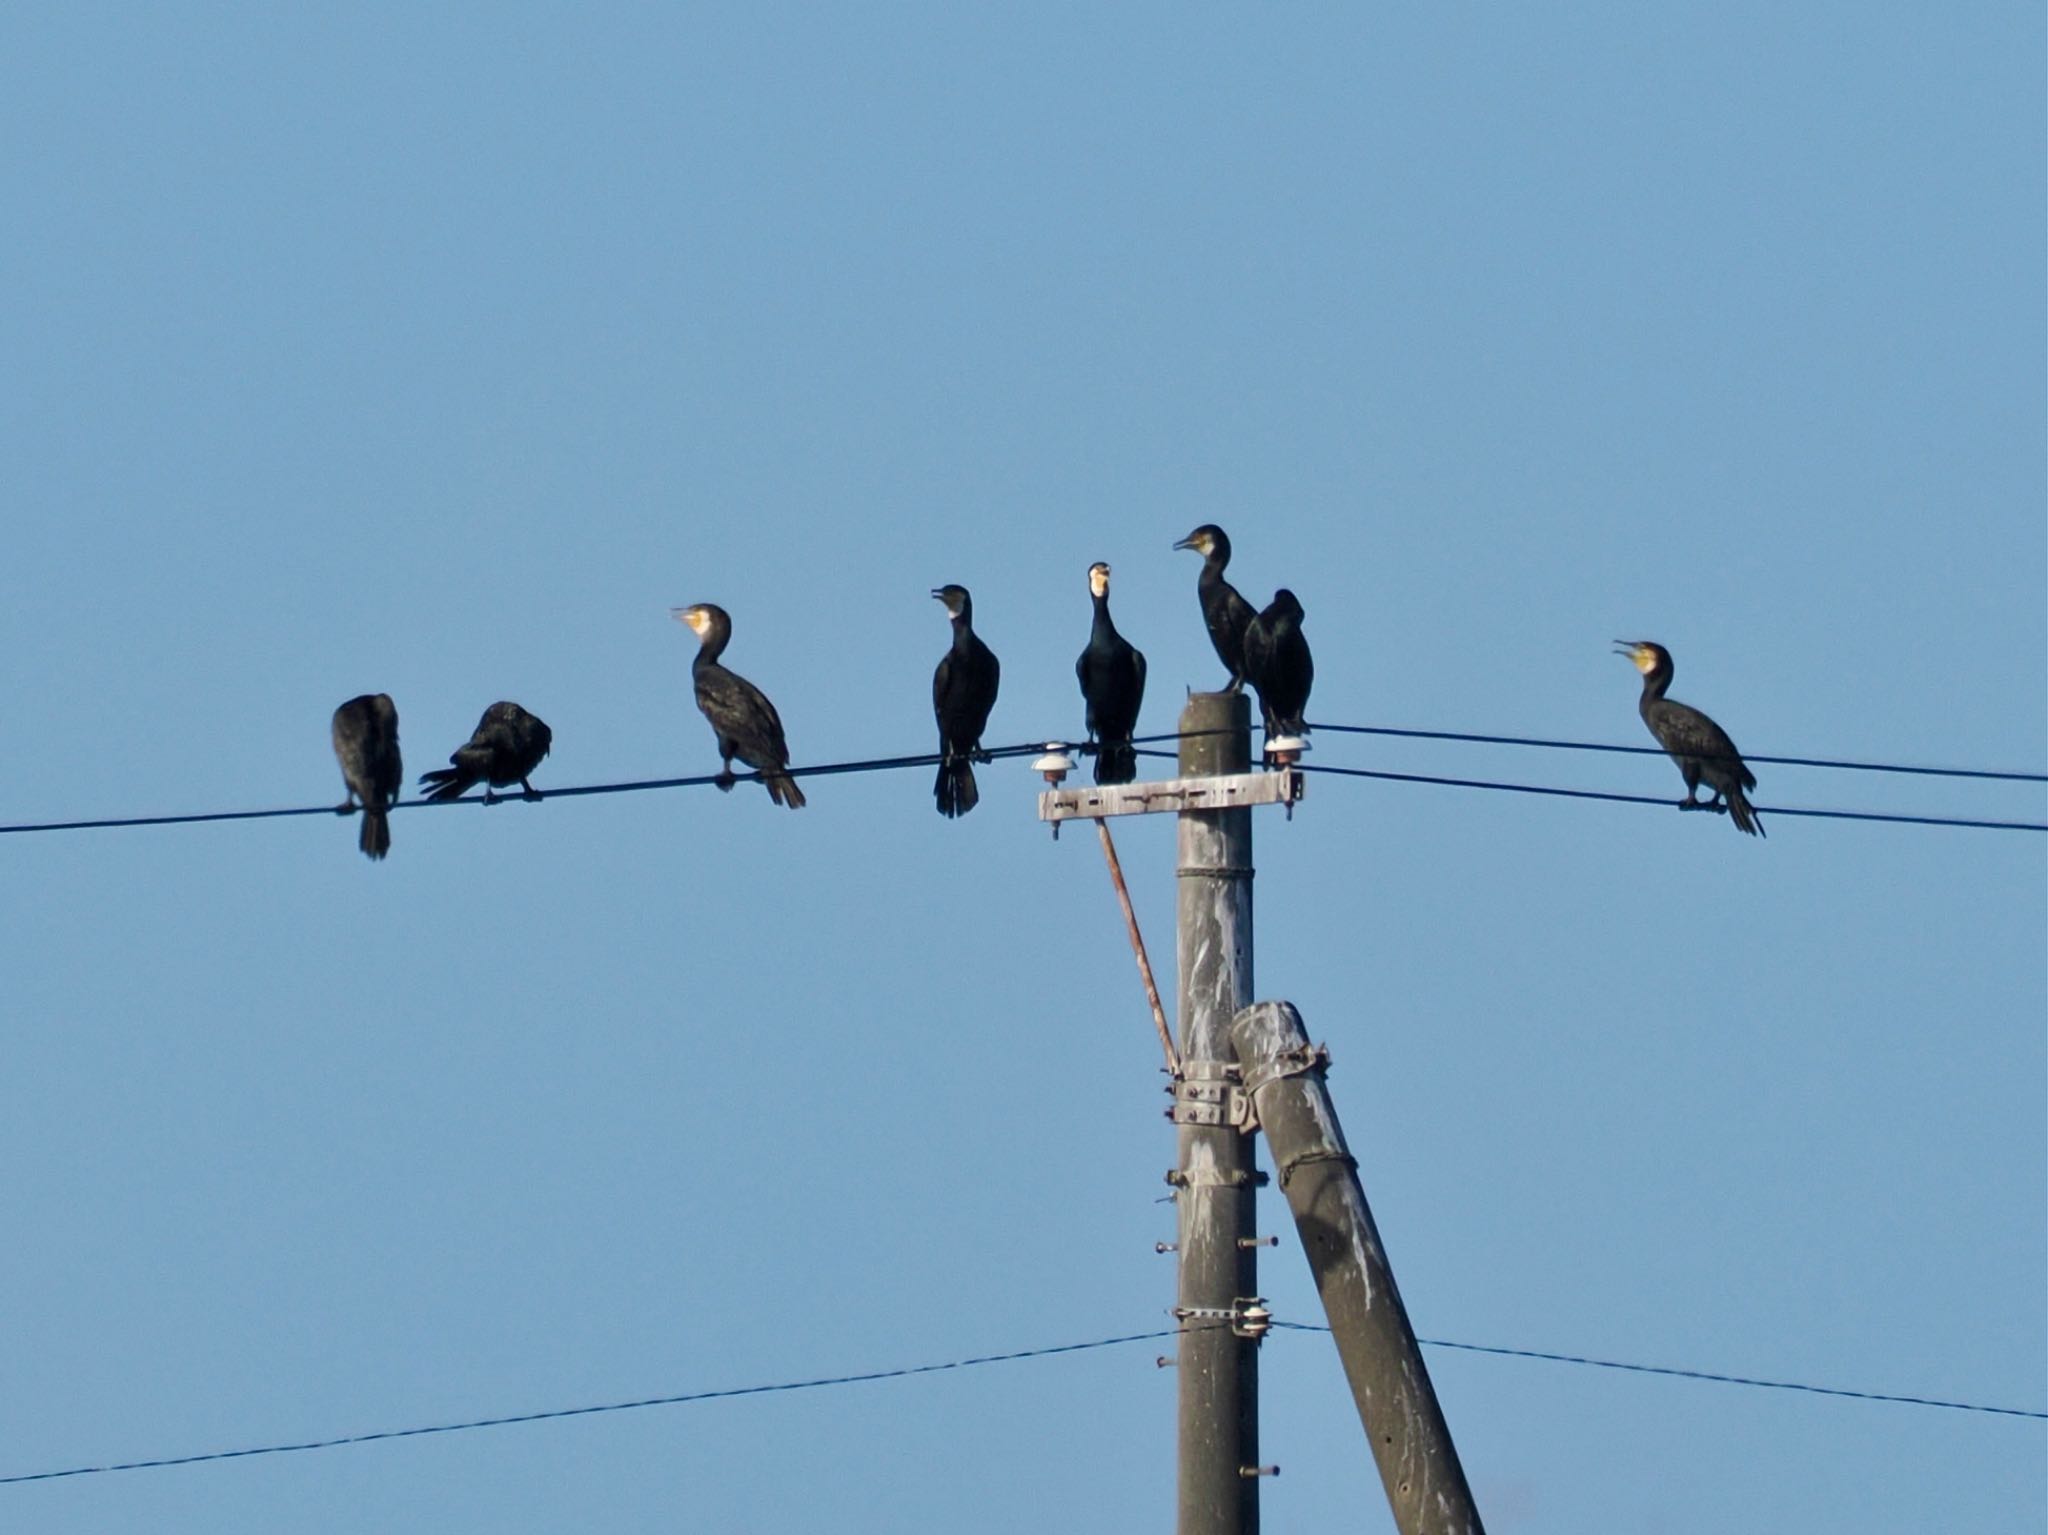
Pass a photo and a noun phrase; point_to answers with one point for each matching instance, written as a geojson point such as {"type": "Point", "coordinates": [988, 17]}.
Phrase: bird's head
{"type": "Point", "coordinates": [1098, 579]}
{"type": "Point", "coordinates": [954, 597]}
{"type": "Point", "coordinates": [1205, 540]}
{"type": "Point", "coordinates": [1647, 655]}
{"type": "Point", "coordinates": [699, 618]}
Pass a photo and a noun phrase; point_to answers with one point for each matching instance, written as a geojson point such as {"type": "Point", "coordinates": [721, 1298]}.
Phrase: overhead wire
{"type": "Point", "coordinates": [932, 759]}
{"type": "Point", "coordinates": [864, 1377]}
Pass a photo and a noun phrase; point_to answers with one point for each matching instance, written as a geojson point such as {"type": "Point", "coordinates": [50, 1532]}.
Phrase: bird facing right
{"type": "Point", "coordinates": [505, 748]}
{"type": "Point", "coordinates": [365, 735]}
{"type": "Point", "coordinates": [1701, 748]}
{"type": "Point", "coordinates": [1112, 673]}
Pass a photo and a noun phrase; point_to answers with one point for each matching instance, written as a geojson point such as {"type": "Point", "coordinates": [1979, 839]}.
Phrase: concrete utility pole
{"type": "Point", "coordinates": [1283, 1076]}
{"type": "Point", "coordinates": [1219, 1305]}
{"type": "Point", "coordinates": [1214, 1182]}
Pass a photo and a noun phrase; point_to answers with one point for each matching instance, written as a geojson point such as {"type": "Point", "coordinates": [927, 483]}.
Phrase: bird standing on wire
{"type": "Point", "coordinates": [1278, 665]}
{"type": "Point", "coordinates": [1226, 613]}
{"type": "Point", "coordinates": [365, 735]}
{"type": "Point", "coordinates": [1700, 747]}
{"type": "Point", "coordinates": [1112, 673]}
{"type": "Point", "coordinates": [505, 748]}
{"type": "Point", "coordinates": [963, 692]}
{"type": "Point", "coordinates": [745, 723]}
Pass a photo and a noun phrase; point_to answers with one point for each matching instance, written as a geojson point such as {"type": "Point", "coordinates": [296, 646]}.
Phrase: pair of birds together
{"type": "Point", "coordinates": [507, 745]}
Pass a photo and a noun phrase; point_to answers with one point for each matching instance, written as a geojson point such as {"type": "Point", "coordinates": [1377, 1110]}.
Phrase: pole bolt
{"type": "Point", "coordinates": [1248, 1472]}
{"type": "Point", "coordinates": [1166, 1247]}
{"type": "Point", "coordinates": [1247, 1242]}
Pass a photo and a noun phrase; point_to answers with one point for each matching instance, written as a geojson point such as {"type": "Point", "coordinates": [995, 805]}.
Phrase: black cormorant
{"type": "Point", "coordinates": [1701, 748]}
{"type": "Point", "coordinates": [1227, 614]}
{"type": "Point", "coordinates": [1277, 663]}
{"type": "Point", "coordinates": [366, 745]}
{"type": "Point", "coordinates": [1112, 674]}
{"type": "Point", "coordinates": [505, 748]}
{"type": "Point", "coordinates": [963, 692]}
{"type": "Point", "coordinates": [745, 723]}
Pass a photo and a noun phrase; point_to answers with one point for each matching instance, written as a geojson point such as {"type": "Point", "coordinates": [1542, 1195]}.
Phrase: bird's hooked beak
{"type": "Point", "coordinates": [689, 618]}
{"type": "Point", "coordinates": [1638, 654]}
{"type": "Point", "coordinates": [1188, 543]}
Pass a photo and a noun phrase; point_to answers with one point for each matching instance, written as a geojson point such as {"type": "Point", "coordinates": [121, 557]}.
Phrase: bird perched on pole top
{"type": "Point", "coordinates": [1226, 613]}
{"type": "Point", "coordinates": [963, 693]}
{"type": "Point", "coordinates": [1701, 748]}
{"type": "Point", "coordinates": [745, 723]}
{"type": "Point", "coordinates": [1277, 663]}
{"type": "Point", "coordinates": [365, 735]}
{"type": "Point", "coordinates": [503, 750]}
{"type": "Point", "coordinates": [1112, 673]}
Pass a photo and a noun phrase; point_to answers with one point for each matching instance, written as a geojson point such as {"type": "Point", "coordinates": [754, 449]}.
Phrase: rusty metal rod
{"type": "Point", "coordinates": [1123, 899]}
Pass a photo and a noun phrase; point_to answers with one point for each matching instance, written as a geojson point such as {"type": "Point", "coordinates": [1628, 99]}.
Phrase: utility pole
{"type": "Point", "coordinates": [1418, 1463]}
{"type": "Point", "coordinates": [1214, 1178]}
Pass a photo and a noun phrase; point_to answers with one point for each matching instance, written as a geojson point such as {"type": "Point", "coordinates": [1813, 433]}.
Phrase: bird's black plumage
{"type": "Point", "coordinates": [745, 723]}
{"type": "Point", "coordinates": [1226, 613]}
{"type": "Point", "coordinates": [1277, 663]}
{"type": "Point", "coordinates": [365, 735]}
{"type": "Point", "coordinates": [1112, 673]}
{"type": "Point", "coordinates": [1701, 748]}
{"type": "Point", "coordinates": [505, 748]}
{"type": "Point", "coordinates": [963, 693]}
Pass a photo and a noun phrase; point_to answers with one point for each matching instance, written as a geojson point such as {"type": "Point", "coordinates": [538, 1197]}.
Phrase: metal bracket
{"type": "Point", "coordinates": [1247, 1316]}
{"type": "Point", "coordinates": [1228, 791]}
{"type": "Point", "coordinates": [1298, 1062]}
{"type": "Point", "coordinates": [1212, 1103]}
{"type": "Point", "coordinates": [1216, 1178]}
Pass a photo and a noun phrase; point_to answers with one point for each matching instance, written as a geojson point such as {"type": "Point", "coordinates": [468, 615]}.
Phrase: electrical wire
{"type": "Point", "coordinates": [972, 1362]}
{"type": "Point", "coordinates": [552, 1414]}
{"type": "Point", "coordinates": [1658, 751]}
{"type": "Point", "coordinates": [932, 759]}
{"type": "Point", "coordinates": [1726, 1380]}
{"type": "Point", "coordinates": [1649, 799]}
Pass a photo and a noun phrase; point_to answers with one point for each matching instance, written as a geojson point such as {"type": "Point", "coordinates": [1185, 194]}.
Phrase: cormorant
{"type": "Point", "coordinates": [1227, 614]}
{"type": "Point", "coordinates": [1701, 748]}
{"type": "Point", "coordinates": [1277, 663]}
{"type": "Point", "coordinates": [366, 745]}
{"type": "Point", "coordinates": [504, 750]}
{"type": "Point", "coordinates": [1112, 673]}
{"type": "Point", "coordinates": [963, 692]}
{"type": "Point", "coordinates": [745, 723]}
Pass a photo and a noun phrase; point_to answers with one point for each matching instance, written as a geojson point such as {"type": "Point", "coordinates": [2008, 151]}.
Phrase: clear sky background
{"type": "Point", "coordinates": [355, 349]}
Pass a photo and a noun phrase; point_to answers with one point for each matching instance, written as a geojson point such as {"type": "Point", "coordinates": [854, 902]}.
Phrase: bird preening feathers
{"type": "Point", "coordinates": [745, 723]}
{"type": "Point", "coordinates": [963, 692]}
{"type": "Point", "coordinates": [1701, 748]}
{"type": "Point", "coordinates": [505, 748]}
{"type": "Point", "coordinates": [365, 735]}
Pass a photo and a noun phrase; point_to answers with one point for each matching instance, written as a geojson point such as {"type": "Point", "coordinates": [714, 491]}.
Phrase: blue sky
{"type": "Point", "coordinates": [355, 350]}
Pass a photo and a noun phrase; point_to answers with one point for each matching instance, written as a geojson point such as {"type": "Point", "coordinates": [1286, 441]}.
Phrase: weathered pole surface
{"type": "Point", "coordinates": [1219, 1370]}
{"type": "Point", "coordinates": [1411, 1442]}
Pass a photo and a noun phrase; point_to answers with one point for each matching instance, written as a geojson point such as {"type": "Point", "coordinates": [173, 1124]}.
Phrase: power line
{"type": "Point", "coordinates": [972, 1362]}
{"type": "Point", "coordinates": [1726, 1380]}
{"type": "Point", "coordinates": [932, 759]}
{"type": "Point", "coordinates": [1648, 799]}
{"type": "Point", "coordinates": [1658, 751]}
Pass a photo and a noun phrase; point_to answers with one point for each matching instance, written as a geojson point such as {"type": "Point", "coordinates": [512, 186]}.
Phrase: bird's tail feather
{"type": "Point", "coordinates": [783, 790]}
{"type": "Point", "coordinates": [1743, 813]}
{"type": "Point", "coordinates": [449, 783]}
{"type": "Point", "coordinates": [375, 838]}
{"type": "Point", "coordinates": [1116, 762]}
{"type": "Point", "coordinates": [955, 789]}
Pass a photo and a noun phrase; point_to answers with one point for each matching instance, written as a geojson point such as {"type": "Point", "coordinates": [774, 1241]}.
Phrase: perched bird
{"type": "Point", "coordinates": [1277, 663]}
{"type": "Point", "coordinates": [745, 723]}
{"type": "Point", "coordinates": [1112, 674]}
{"type": "Point", "coordinates": [505, 748]}
{"type": "Point", "coordinates": [963, 692]}
{"type": "Point", "coordinates": [366, 746]}
{"type": "Point", "coordinates": [1701, 748]}
{"type": "Point", "coordinates": [1227, 614]}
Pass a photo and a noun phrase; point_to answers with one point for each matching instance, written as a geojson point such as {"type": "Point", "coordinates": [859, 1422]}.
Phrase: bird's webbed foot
{"type": "Point", "coordinates": [528, 791]}
{"type": "Point", "coordinates": [1691, 803]}
{"type": "Point", "coordinates": [725, 780]}
{"type": "Point", "coordinates": [980, 755]}
{"type": "Point", "coordinates": [347, 806]}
